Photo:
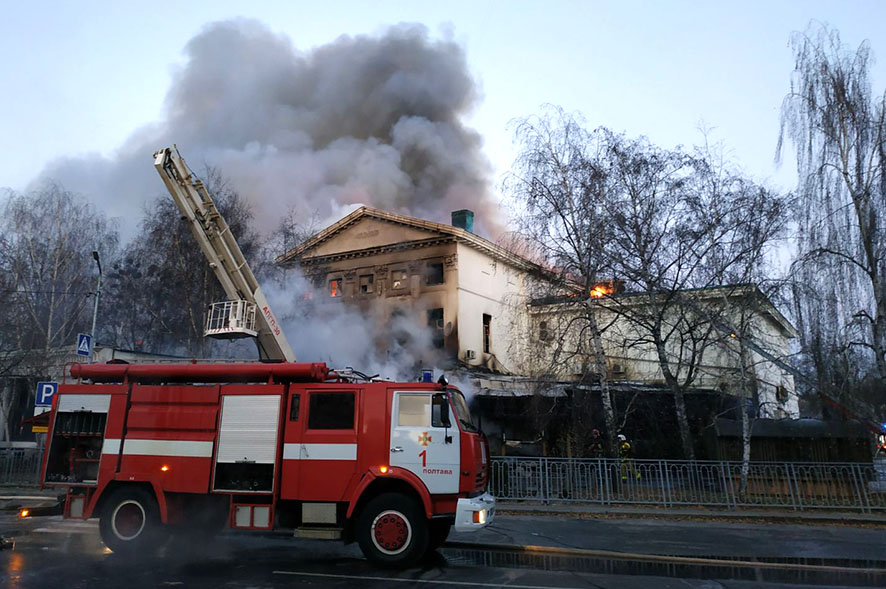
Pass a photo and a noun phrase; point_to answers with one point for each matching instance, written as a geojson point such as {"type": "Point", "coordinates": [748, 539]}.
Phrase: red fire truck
{"type": "Point", "coordinates": [154, 450]}
{"type": "Point", "coordinates": [163, 448]}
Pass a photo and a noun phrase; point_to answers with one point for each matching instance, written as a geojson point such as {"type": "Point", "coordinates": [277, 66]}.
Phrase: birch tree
{"type": "Point", "coordinates": [837, 125]}
{"type": "Point", "coordinates": [558, 191]}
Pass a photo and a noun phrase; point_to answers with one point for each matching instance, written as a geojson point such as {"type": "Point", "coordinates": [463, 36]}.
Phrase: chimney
{"type": "Point", "coordinates": [463, 219]}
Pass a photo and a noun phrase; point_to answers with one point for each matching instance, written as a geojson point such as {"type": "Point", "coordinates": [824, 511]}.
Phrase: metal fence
{"type": "Point", "coordinates": [786, 485]}
{"type": "Point", "coordinates": [667, 483]}
{"type": "Point", "coordinates": [20, 466]}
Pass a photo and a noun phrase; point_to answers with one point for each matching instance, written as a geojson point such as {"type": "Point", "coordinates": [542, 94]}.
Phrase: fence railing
{"type": "Point", "coordinates": [20, 466]}
{"type": "Point", "coordinates": [786, 485]}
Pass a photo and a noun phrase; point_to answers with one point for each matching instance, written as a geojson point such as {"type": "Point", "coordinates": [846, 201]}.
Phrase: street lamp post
{"type": "Point", "coordinates": [98, 294]}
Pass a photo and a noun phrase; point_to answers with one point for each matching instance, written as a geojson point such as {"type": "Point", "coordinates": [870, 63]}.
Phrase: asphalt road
{"type": "Point", "coordinates": [51, 552]}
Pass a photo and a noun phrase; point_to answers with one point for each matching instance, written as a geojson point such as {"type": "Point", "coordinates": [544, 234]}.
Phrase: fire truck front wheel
{"type": "Point", "coordinates": [130, 521]}
{"type": "Point", "coordinates": [392, 530]}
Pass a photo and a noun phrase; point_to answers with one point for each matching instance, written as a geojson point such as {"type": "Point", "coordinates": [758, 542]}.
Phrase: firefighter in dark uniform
{"type": "Point", "coordinates": [595, 448]}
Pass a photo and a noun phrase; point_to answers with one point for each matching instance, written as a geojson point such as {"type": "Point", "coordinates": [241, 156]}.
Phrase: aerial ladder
{"type": "Point", "coordinates": [247, 312]}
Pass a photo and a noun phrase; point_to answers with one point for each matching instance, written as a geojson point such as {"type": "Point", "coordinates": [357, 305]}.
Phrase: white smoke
{"type": "Point", "coordinates": [368, 119]}
{"type": "Point", "coordinates": [324, 329]}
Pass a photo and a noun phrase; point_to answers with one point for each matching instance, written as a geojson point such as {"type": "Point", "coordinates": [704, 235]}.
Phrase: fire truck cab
{"type": "Point", "coordinates": [154, 450]}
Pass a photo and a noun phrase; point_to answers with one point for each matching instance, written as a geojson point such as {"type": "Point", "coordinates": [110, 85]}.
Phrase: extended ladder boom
{"type": "Point", "coordinates": [248, 302]}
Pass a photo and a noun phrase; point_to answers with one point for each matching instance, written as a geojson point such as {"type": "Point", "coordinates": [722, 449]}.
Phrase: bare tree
{"type": "Point", "coordinates": [159, 291]}
{"type": "Point", "coordinates": [558, 193]}
{"type": "Point", "coordinates": [838, 127]}
{"type": "Point", "coordinates": [681, 224]}
{"type": "Point", "coordinates": [46, 240]}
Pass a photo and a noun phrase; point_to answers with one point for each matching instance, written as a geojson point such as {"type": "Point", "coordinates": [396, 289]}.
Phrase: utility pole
{"type": "Point", "coordinates": [98, 294]}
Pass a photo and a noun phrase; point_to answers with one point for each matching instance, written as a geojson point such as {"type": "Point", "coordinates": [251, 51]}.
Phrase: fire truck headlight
{"type": "Point", "coordinates": [164, 468]}
{"type": "Point", "coordinates": [24, 513]}
{"type": "Point", "coordinates": [383, 469]}
{"type": "Point", "coordinates": [480, 517]}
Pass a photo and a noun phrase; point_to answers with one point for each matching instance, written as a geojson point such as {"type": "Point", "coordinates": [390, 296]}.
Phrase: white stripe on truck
{"type": "Point", "coordinates": [187, 449]}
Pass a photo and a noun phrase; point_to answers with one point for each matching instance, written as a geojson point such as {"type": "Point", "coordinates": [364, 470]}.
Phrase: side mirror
{"type": "Point", "coordinates": [441, 411]}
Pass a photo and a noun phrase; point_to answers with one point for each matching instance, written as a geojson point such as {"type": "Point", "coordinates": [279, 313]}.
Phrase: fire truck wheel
{"type": "Point", "coordinates": [438, 531]}
{"type": "Point", "coordinates": [130, 521]}
{"type": "Point", "coordinates": [392, 531]}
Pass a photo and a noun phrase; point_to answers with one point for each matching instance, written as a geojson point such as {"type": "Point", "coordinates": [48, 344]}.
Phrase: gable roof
{"type": "Point", "coordinates": [435, 231]}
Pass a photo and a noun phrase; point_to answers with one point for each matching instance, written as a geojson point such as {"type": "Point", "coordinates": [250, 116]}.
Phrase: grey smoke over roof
{"type": "Point", "coordinates": [375, 120]}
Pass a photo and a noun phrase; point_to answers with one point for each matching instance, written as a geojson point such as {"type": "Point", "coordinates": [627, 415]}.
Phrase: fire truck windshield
{"type": "Point", "coordinates": [461, 411]}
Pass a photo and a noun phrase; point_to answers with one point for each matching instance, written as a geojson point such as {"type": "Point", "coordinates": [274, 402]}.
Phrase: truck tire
{"type": "Point", "coordinates": [392, 531]}
{"type": "Point", "coordinates": [130, 522]}
{"type": "Point", "coordinates": [438, 531]}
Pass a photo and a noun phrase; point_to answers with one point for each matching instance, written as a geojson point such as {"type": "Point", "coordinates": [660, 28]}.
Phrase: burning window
{"type": "Point", "coordinates": [610, 287]}
{"type": "Point", "coordinates": [434, 273]}
{"type": "Point", "coordinates": [335, 287]}
{"type": "Point", "coordinates": [487, 333]}
{"type": "Point", "coordinates": [601, 290]}
{"type": "Point", "coordinates": [435, 323]}
{"type": "Point", "coordinates": [366, 283]}
{"type": "Point", "coordinates": [398, 279]}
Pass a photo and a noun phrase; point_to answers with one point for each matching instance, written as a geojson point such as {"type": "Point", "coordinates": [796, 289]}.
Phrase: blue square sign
{"type": "Point", "coordinates": [45, 392]}
{"type": "Point", "coordinates": [84, 344]}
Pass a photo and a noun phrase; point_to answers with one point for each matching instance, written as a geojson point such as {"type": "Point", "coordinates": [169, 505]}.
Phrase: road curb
{"type": "Point", "coordinates": [661, 558]}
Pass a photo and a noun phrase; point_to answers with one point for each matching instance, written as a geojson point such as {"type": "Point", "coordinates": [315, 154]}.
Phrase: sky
{"type": "Point", "coordinates": [83, 79]}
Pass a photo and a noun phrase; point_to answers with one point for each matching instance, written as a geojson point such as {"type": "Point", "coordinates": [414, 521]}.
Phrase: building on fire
{"type": "Point", "coordinates": [488, 310]}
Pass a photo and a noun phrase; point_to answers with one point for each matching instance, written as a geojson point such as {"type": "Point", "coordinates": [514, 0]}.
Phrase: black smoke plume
{"type": "Point", "coordinates": [374, 120]}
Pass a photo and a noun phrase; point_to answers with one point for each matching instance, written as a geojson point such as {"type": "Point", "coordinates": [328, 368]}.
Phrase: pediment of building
{"type": "Point", "coordinates": [368, 233]}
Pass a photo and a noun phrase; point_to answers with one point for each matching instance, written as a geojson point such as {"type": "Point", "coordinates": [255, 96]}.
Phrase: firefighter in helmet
{"type": "Point", "coordinates": [626, 459]}
{"type": "Point", "coordinates": [595, 448]}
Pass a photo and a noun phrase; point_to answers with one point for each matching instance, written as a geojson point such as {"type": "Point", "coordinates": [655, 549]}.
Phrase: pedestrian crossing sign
{"type": "Point", "coordinates": [84, 344]}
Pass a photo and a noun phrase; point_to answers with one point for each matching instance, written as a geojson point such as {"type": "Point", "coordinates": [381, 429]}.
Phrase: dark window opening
{"type": "Point", "coordinates": [487, 336]}
{"type": "Point", "coordinates": [335, 287]}
{"type": "Point", "coordinates": [543, 332]}
{"type": "Point", "coordinates": [366, 283]}
{"type": "Point", "coordinates": [331, 411]}
{"type": "Point", "coordinates": [294, 407]}
{"type": "Point", "coordinates": [435, 324]}
{"type": "Point", "coordinates": [434, 273]}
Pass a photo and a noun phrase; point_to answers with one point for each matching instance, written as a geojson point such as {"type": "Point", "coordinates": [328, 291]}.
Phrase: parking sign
{"type": "Point", "coordinates": [45, 392]}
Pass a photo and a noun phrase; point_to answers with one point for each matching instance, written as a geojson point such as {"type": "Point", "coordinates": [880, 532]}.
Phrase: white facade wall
{"type": "Point", "coordinates": [486, 286]}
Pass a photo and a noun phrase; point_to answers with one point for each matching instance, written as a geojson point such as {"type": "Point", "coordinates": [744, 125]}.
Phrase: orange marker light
{"type": "Point", "coordinates": [383, 469]}
{"type": "Point", "coordinates": [164, 468]}
{"type": "Point", "coordinates": [24, 513]}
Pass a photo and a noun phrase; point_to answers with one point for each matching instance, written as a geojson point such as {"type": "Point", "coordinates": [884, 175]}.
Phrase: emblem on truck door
{"type": "Point", "coordinates": [424, 439]}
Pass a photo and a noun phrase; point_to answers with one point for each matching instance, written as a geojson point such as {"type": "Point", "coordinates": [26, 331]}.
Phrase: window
{"type": "Point", "coordinates": [335, 287]}
{"type": "Point", "coordinates": [366, 283]}
{"type": "Point", "coordinates": [487, 335]}
{"type": "Point", "coordinates": [331, 411]}
{"type": "Point", "coordinates": [414, 411]}
{"type": "Point", "coordinates": [781, 394]}
{"type": "Point", "coordinates": [435, 324]}
{"type": "Point", "coordinates": [294, 407]}
{"type": "Point", "coordinates": [434, 273]}
{"type": "Point", "coordinates": [543, 333]}
{"type": "Point", "coordinates": [399, 279]}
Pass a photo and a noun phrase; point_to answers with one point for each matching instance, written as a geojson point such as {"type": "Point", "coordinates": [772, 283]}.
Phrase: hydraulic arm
{"type": "Point", "coordinates": [247, 313]}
